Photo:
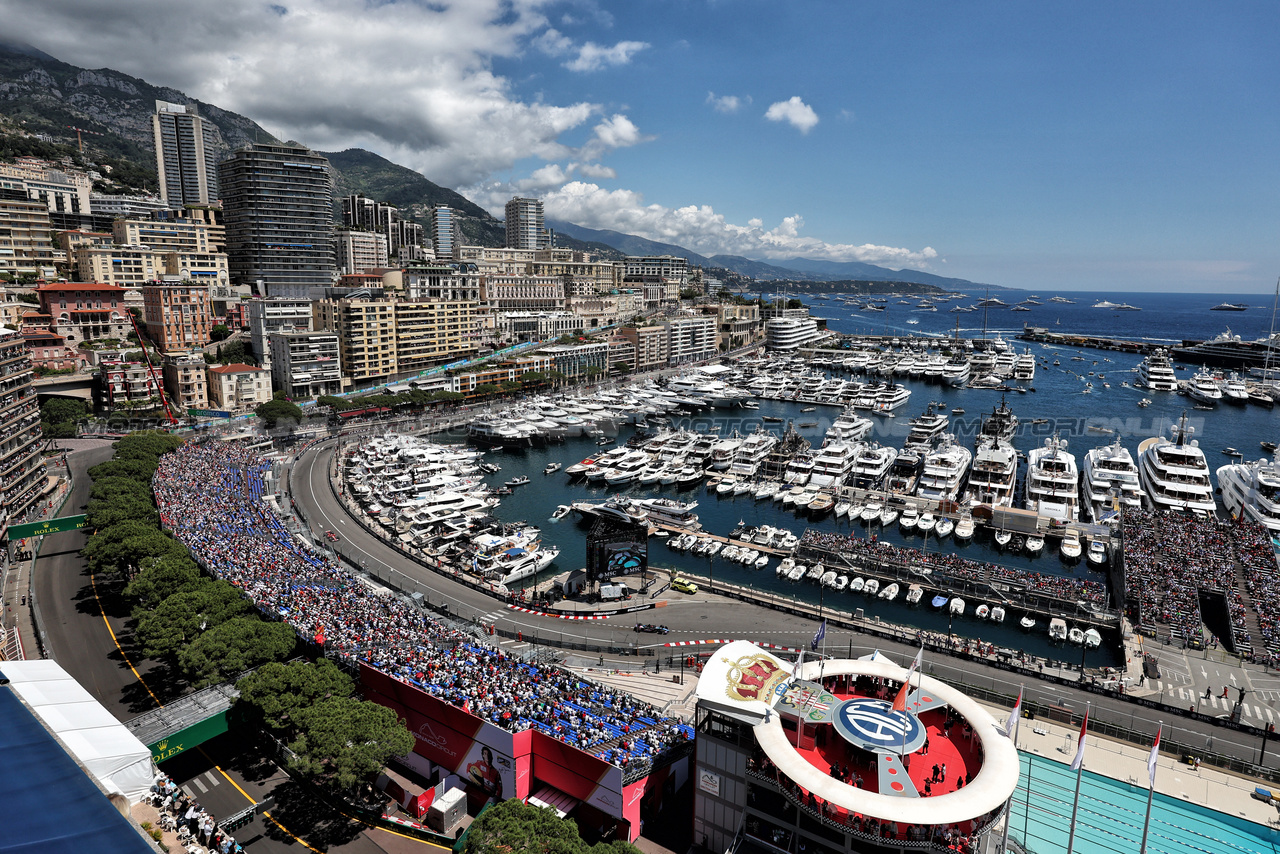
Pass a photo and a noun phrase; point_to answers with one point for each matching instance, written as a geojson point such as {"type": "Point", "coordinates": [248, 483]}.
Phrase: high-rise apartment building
{"type": "Point", "coordinates": [185, 149]}
{"type": "Point", "coordinates": [444, 239]}
{"type": "Point", "coordinates": [360, 251]}
{"type": "Point", "coordinates": [278, 206]}
{"type": "Point", "coordinates": [305, 365]}
{"type": "Point", "coordinates": [22, 471]}
{"type": "Point", "coordinates": [525, 228]}
{"type": "Point", "coordinates": [274, 315]}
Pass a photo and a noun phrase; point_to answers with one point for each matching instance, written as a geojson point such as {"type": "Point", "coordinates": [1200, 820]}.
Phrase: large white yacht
{"type": "Point", "coordinates": [798, 470]}
{"type": "Point", "coordinates": [723, 452]}
{"type": "Point", "coordinates": [1024, 369]}
{"type": "Point", "coordinates": [891, 397]}
{"type": "Point", "coordinates": [1203, 389]}
{"type": "Point", "coordinates": [994, 476]}
{"type": "Point", "coordinates": [1053, 481]}
{"type": "Point", "coordinates": [1105, 469]}
{"type": "Point", "coordinates": [1174, 472]}
{"type": "Point", "coordinates": [956, 372]}
{"type": "Point", "coordinates": [511, 556]}
{"type": "Point", "coordinates": [848, 427]}
{"type": "Point", "coordinates": [1252, 491]}
{"type": "Point", "coordinates": [944, 470]}
{"type": "Point", "coordinates": [832, 464]}
{"type": "Point", "coordinates": [871, 465]}
{"type": "Point", "coordinates": [1156, 372]}
{"type": "Point", "coordinates": [751, 453]}
{"type": "Point", "coordinates": [671, 512]}
{"type": "Point", "coordinates": [927, 427]}
{"type": "Point", "coordinates": [904, 473]}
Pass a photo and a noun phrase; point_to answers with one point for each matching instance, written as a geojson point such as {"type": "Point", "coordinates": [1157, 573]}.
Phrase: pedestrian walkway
{"type": "Point", "coordinates": [21, 640]}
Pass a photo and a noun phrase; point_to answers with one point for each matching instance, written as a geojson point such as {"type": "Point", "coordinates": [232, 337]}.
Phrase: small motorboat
{"type": "Point", "coordinates": [1070, 547]}
{"type": "Point", "coordinates": [551, 468]}
{"type": "Point", "coordinates": [815, 571]}
{"type": "Point", "coordinates": [828, 578]}
{"type": "Point", "coordinates": [857, 585]}
{"type": "Point", "coordinates": [1027, 624]}
{"type": "Point", "coordinates": [786, 565]}
{"type": "Point", "coordinates": [957, 411]}
{"type": "Point", "coordinates": [519, 480]}
{"type": "Point", "coordinates": [997, 614]}
{"type": "Point", "coordinates": [926, 523]}
{"type": "Point", "coordinates": [890, 592]}
{"type": "Point", "coordinates": [761, 562]}
{"type": "Point", "coordinates": [872, 587]}
{"type": "Point", "coordinates": [888, 515]}
{"type": "Point", "coordinates": [1076, 635]}
{"type": "Point", "coordinates": [1003, 537]}
{"type": "Point", "coordinates": [983, 611]}
{"type": "Point", "coordinates": [1092, 639]}
{"type": "Point", "coordinates": [1058, 629]}
{"type": "Point", "coordinates": [841, 583]}
{"type": "Point", "coordinates": [939, 601]}
{"type": "Point", "coordinates": [871, 511]}
{"type": "Point", "coordinates": [1035, 545]}
{"type": "Point", "coordinates": [1097, 552]}
{"type": "Point", "coordinates": [914, 593]}
{"type": "Point", "coordinates": [810, 409]}
{"type": "Point", "coordinates": [964, 528]}
{"type": "Point", "coordinates": [561, 511]}
{"type": "Point", "coordinates": [945, 526]}
{"type": "Point", "coordinates": [910, 518]}
{"type": "Point", "coordinates": [797, 572]}
{"type": "Point", "coordinates": [957, 606]}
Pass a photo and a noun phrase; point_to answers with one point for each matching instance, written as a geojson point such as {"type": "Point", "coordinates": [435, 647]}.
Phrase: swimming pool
{"type": "Point", "coordinates": [1111, 815]}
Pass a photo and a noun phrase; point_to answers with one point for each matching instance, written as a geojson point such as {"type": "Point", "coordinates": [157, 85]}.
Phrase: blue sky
{"type": "Point", "coordinates": [1068, 146]}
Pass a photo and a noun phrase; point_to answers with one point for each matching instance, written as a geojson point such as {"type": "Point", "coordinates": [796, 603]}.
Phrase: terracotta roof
{"type": "Point", "coordinates": [237, 368]}
{"type": "Point", "coordinates": [78, 286]}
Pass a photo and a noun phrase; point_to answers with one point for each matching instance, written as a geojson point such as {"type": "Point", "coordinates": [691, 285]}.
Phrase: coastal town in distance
{"type": "Point", "coordinates": [344, 512]}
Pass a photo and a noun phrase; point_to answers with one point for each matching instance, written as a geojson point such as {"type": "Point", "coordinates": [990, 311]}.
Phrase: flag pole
{"type": "Point", "coordinates": [1151, 790]}
{"type": "Point", "coordinates": [1013, 734]}
{"type": "Point", "coordinates": [1075, 805]}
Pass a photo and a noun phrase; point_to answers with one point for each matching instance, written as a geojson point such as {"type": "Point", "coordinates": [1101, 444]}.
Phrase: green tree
{"type": "Point", "coordinates": [146, 445]}
{"type": "Point", "coordinates": [180, 618]}
{"type": "Point", "coordinates": [58, 416]}
{"type": "Point", "coordinates": [622, 367]}
{"type": "Point", "coordinates": [275, 692]}
{"type": "Point", "coordinates": [516, 826]}
{"type": "Point", "coordinates": [487, 389]}
{"type": "Point", "coordinates": [279, 413]}
{"type": "Point", "coordinates": [233, 647]}
{"type": "Point", "coordinates": [140, 469]}
{"type": "Point", "coordinates": [220, 332]}
{"type": "Point", "coordinates": [348, 740]}
{"type": "Point", "coordinates": [594, 371]}
{"type": "Point", "coordinates": [160, 578]}
{"type": "Point", "coordinates": [123, 546]}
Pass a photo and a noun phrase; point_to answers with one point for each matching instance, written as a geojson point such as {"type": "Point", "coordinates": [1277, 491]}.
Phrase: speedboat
{"type": "Point", "coordinates": [857, 585]}
{"type": "Point", "coordinates": [982, 611]}
{"type": "Point", "coordinates": [939, 601]}
{"type": "Point", "coordinates": [926, 523]}
{"type": "Point", "coordinates": [1027, 624]}
{"type": "Point", "coordinates": [1070, 547]}
{"type": "Point", "coordinates": [1035, 544]}
{"type": "Point", "coordinates": [1097, 552]}
{"type": "Point", "coordinates": [997, 614]}
{"type": "Point", "coordinates": [945, 526]}
{"type": "Point", "coordinates": [914, 593]}
{"type": "Point", "coordinates": [957, 606]}
{"type": "Point", "coordinates": [910, 517]}
{"type": "Point", "coordinates": [1092, 639]}
{"type": "Point", "coordinates": [890, 592]}
{"type": "Point", "coordinates": [1058, 629]}
{"type": "Point", "coordinates": [872, 587]}
{"type": "Point", "coordinates": [964, 528]}
{"type": "Point", "coordinates": [1076, 635]}
{"type": "Point", "coordinates": [1003, 537]}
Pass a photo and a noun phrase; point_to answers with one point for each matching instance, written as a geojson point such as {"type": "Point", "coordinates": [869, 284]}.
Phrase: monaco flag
{"type": "Point", "coordinates": [1084, 729]}
{"type": "Point", "coordinates": [1011, 725]}
{"type": "Point", "coordinates": [1154, 757]}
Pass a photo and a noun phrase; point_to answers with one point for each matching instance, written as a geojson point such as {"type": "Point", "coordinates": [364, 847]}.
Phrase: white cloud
{"type": "Point", "coordinates": [411, 81]}
{"type": "Point", "coordinates": [594, 170]}
{"type": "Point", "coordinates": [727, 103]}
{"type": "Point", "coordinates": [794, 112]}
{"type": "Point", "coordinates": [593, 57]}
{"type": "Point", "coordinates": [701, 229]}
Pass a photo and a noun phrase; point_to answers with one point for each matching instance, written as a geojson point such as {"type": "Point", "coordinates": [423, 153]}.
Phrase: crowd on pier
{"type": "Point", "coordinates": [1169, 558]}
{"type": "Point", "coordinates": [957, 568]}
{"type": "Point", "coordinates": [210, 497]}
{"type": "Point", "coordinates": [1258, 564]}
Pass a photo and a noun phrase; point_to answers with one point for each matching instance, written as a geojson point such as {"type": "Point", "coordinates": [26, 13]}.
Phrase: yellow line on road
{"type": "Point", "coordinates": [93, 579]}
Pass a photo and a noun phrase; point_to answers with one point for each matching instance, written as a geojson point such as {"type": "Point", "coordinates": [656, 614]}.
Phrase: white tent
{"type": "Point", "coordinates": [103, 745]}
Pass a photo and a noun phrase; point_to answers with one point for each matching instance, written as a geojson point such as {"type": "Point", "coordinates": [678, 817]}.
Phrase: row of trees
{"type": "Point", "coordinates": [516, 826]}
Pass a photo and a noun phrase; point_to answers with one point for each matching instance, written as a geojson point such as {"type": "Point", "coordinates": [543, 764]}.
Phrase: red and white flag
{"type": "Point", "coordinates": [1084, 730]}
{"type": "Point", "coordinates": [1011, 725]}
{"type": "Point", "coordinates": [1154, 757]}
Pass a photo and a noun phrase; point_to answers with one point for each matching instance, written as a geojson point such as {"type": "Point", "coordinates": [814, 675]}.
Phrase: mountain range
{"type": "Point", "coordinates": [109, 113]}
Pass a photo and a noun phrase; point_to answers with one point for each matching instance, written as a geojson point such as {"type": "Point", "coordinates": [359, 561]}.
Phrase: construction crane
{"type": "Point", "coordinates": [79, 131]}
{"type": "Point", "coordinates": [151, 368]}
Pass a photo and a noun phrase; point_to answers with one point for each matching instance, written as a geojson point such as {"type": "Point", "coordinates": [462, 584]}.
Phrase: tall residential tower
{"type": "Point", "coordinates": [278, 206]}
{"type": "Point", "coordinates": [185, 148]}
{"type": "Point", "coordinates": [525, 228]}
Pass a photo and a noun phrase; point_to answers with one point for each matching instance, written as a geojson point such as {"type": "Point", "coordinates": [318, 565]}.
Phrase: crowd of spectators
{"type": "Point", "coordinates": [1168, 559]}
{"type": "Point", "coordinates": [957, 568]}
{"type": "Point", "coordinates": [1258, 564]}
{"type": "Point", "coordinates": [196, 829]}
{"type": "Point", "coordinates": [209, 495]}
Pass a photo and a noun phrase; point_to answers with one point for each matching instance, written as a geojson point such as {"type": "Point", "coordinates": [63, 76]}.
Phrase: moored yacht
{"type": "Point", "coordinates": [1252, 491]}
{"type": "Point", "coordinates": [848, 427]}
{"type": "Point", "coordinates": [994, 476]}
{"type": "Point", "coordinates": [944, 470]}
{"type": "Point", "coordinates": [1156, 372]}
{"type": "Point", "coordinates": [1105, 469]}
{"type": "Point", "coordinates": [832, 464]}
{"type": "Point", "coordinates": [904, 474]}
{"type": "Point", "coordinates": [1053, 481]}
{"type": "Point", "coordinates": [925, 428]}
{"type": "Point", "coordinates": [871, 465]}
{"type": "Point", "coordinates": [1203, 389]}
{"type": "Point", "coordinates": [1174, 473]}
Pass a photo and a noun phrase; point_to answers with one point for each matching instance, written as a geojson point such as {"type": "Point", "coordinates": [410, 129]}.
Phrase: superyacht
{"type": "Point", "coordinates": [1174, 472]}
{"type": "Point", "coordinates": [1105, 469]}
{"type": "Point", "coordinates": [1053, 482]}
{"type": "Point", "coordinates": [1252, 491]}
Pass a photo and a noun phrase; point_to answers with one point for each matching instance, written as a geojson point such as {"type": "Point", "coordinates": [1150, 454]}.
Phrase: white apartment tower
{"type": "Point", "coordinates": [185, 148]}
{"type": "Point", "coordinates": [525, 227]}
{"type": "Point", "coordinates": [444, 239]}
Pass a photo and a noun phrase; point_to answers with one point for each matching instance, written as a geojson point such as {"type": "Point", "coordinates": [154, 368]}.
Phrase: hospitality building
{"type": "Point", "coordinates": [831, 756]}
{"type": "Point", "coordinates": [789, 333]}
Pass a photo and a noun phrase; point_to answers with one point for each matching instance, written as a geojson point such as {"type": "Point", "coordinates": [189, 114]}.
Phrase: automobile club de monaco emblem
{"type": "Point", "coordinates": [753, 677]}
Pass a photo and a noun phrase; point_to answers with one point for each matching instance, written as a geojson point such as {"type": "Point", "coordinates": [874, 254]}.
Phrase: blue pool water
{"type": "Point", "coordinates": [1111, 815]}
